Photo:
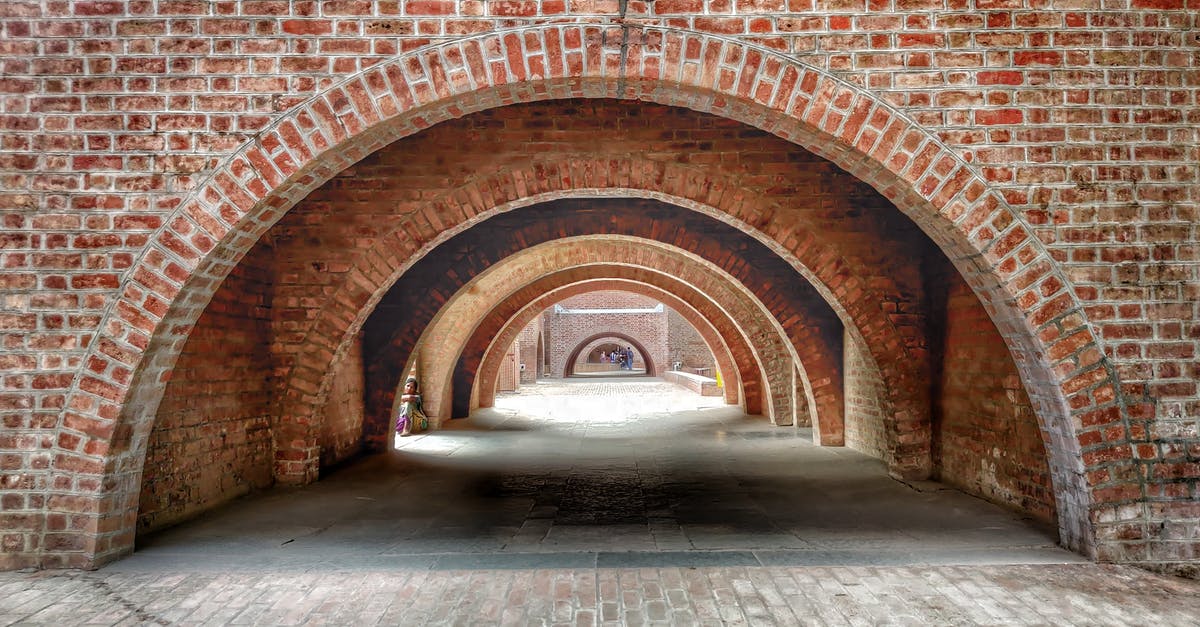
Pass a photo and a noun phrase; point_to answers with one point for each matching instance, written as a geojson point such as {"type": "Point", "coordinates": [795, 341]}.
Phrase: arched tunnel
{"type": "Point", "coordinates": [840, 330]}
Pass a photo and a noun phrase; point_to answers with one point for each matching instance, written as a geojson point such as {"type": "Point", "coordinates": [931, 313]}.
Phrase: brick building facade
{"type": "Point", "coordinates": [581, 323]}
{"type": "Point", "coordinates": [931, 224]}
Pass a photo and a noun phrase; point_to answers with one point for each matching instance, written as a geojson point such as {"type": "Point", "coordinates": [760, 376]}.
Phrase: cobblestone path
{"type": "Point", "coordinates": [1079, 594]}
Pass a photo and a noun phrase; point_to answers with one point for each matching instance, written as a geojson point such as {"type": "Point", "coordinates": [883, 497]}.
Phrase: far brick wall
{"type": "Point", "coordinates": [528, 343]}
{"type": "Point", "coordinates": [685, 344]}
{"type": "Point", "coordinates": [211, 441]}
{"type": "Point", "coordinates": [569, 330]}
{"type": "Point", "coordinates": [986, 440]}
{"type": "Point", "coordinates": [507, 381]}
{"type": "Point", "coordinates": [341, 431]}
{"type": "Point", "coordinates": [803, 412]}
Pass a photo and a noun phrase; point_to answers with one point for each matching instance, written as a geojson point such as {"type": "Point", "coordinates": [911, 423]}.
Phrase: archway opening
{"type": "Point", "coordinates": [632, 327]}
{"type": "Point", "coordinates": [868, 378]}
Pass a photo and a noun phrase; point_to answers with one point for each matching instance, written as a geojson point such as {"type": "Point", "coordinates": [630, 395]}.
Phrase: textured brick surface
{"type": "Point", "coordinates": [979, 402]}
{"type": "Point", "coordinates": [1050, 152]}
{"type": "Point", "coordinates": [686, 346]}
{"type": "Point", "coordinates": [413, 301]}
{"type": "Point", "coordinates": [541, 272]}
{"type": "Point", "coordinates": [212, 440]}
{"type": "Point", "coordinates": [864, 415]}
{"type": "Point", "coordinates": [735, 355]}
{"type": "Point", "coordinates": [342, 421]}
{"type": "Point", "coordinates": [575, 333]}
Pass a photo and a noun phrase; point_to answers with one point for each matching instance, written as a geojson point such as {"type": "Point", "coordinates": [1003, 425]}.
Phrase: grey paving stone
{"type": "Point", "coordinates": [661, 559]}
{"type": "Point", "coordinates": [505, 561]}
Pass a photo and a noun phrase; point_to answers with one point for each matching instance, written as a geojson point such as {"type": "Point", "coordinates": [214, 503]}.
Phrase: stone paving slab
{"type": "Point", "coordinates": [1059, 594]}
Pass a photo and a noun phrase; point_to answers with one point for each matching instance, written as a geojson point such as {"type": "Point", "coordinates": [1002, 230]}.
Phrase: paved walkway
{"type": "Point", "coordinates": [589, 502]}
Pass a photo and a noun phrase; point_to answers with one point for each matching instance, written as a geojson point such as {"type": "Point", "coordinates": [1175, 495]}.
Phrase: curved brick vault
{"type": "Point", "coordinates": [735, 355]}
{"type": "Point", "coordinates": [484, 383]}
{"type": "Point", "coordinates": [866, 284]}
{"type": "Point", "coordinates": [731, 353]}
{"type": "Point", "coordinates": [468, 322]}
{"type": "Point", "coordinates": [112, 403]}
{"type": "Point", "coordinates": [762, 366]}
{"type": "Point", "coordinates": [411, 304]}
{"type": "Point", "coordinates": [548, 266]}
{"type": "Point", "coordinates": [475, 381]}
{"type": "Point", "coordinates": [477, 309]}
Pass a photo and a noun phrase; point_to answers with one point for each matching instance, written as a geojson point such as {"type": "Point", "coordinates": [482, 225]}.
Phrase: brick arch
{"type": "Point", "coordinates": [740, 375]}
{"type": "Point", "coordinates": [533, 270]}
{"type": "Point", "coordinates": [592, 348]}
{"type": "Point", "coordinates": [692, 188]}
{"type": "Point", "coordinates": [476, 372]}
{"type": "Point", "coordinates": [569, 367]}
{"type": "Point", "coordinates": [811, 328]}
{"type": "Point", "coordinates": [115, 395]}
{"type": "Point", "coordinates": [713, 340]}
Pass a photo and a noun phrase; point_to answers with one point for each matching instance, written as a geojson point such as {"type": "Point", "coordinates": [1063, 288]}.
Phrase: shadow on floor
{"type": "Point", "coordinates": [508, 489]}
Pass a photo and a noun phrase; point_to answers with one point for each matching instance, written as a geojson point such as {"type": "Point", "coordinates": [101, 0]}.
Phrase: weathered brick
{"type": "Point", "coordinates": [105, 138]}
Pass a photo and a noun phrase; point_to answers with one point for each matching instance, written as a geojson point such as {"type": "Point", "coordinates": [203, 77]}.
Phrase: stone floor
{"type": "Point", "coordinates": [605, 501]}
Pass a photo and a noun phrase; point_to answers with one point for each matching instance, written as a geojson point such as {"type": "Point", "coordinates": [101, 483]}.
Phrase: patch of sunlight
{"type": "Point", "coordinates": [602, 403]}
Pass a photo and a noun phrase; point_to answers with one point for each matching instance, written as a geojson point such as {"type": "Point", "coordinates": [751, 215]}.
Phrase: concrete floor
{"type": "Point", "coordinates": [617, 500]}
{"type": "Point", "coordinates": [586, 473]}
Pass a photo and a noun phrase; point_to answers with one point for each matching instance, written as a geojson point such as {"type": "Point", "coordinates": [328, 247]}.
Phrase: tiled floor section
{"type": "Point", "coordinates": [588, 502]}
{"type": "Point", "coordinates": [1069, 594]}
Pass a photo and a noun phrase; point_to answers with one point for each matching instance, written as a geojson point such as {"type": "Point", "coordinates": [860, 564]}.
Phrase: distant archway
{"type": "Point", "coordinates": [594, 349]}
{"type": "Point", "coordinates": [745, 382]}
{"type": "Point", "coordinates": [573, 356]}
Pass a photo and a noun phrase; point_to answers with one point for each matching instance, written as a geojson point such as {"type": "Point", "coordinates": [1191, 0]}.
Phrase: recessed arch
{"type": "Point", "coordinates": [508, 284]}
{"type": "Point", "coordinates": [638, 346]}
{"type": "Point", "coordinates": [586, 352]}
{"type": "Point", "coordinates": [113, 402]}
{"type": "Point", "coordinates": [460, 352]}
{"type": "Point", "coordinates": [743, 368]}
{"type": "Point", "coordinates": [812, 329]}
{"type": "Point", "coordinates": [549, 265]}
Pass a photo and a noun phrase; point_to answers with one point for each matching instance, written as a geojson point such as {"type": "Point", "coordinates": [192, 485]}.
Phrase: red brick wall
{"type": "Point", "coordinates": [684, 344]}
{"type": "Point", "coordinates": [677, 291]}
{"type": "Point", "coordinates": [547, 337]}
{"type": "Point", "coordinates": [507, 381]}
{"type": "Point", "coordinates": [570, 330]}
{"type": "Point", "coordinates": [986, 438]}
{"type": "Point", "coordinates": [211, 440]}
{"type": "Point", "coordinates": [589, 356]}
{"type": "Point", "coordinates": [528, 343]}
{"type": "Point", "coordinates": [341, 429]}
{"type": "Point", "coordinates": [1082, 118]}
{"type": "Point", "coordinates": [803, 409]}
{"type": "Point", "coordinates": [865, 405]}
{"type": "Point", "coordinates": [352, 208]}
